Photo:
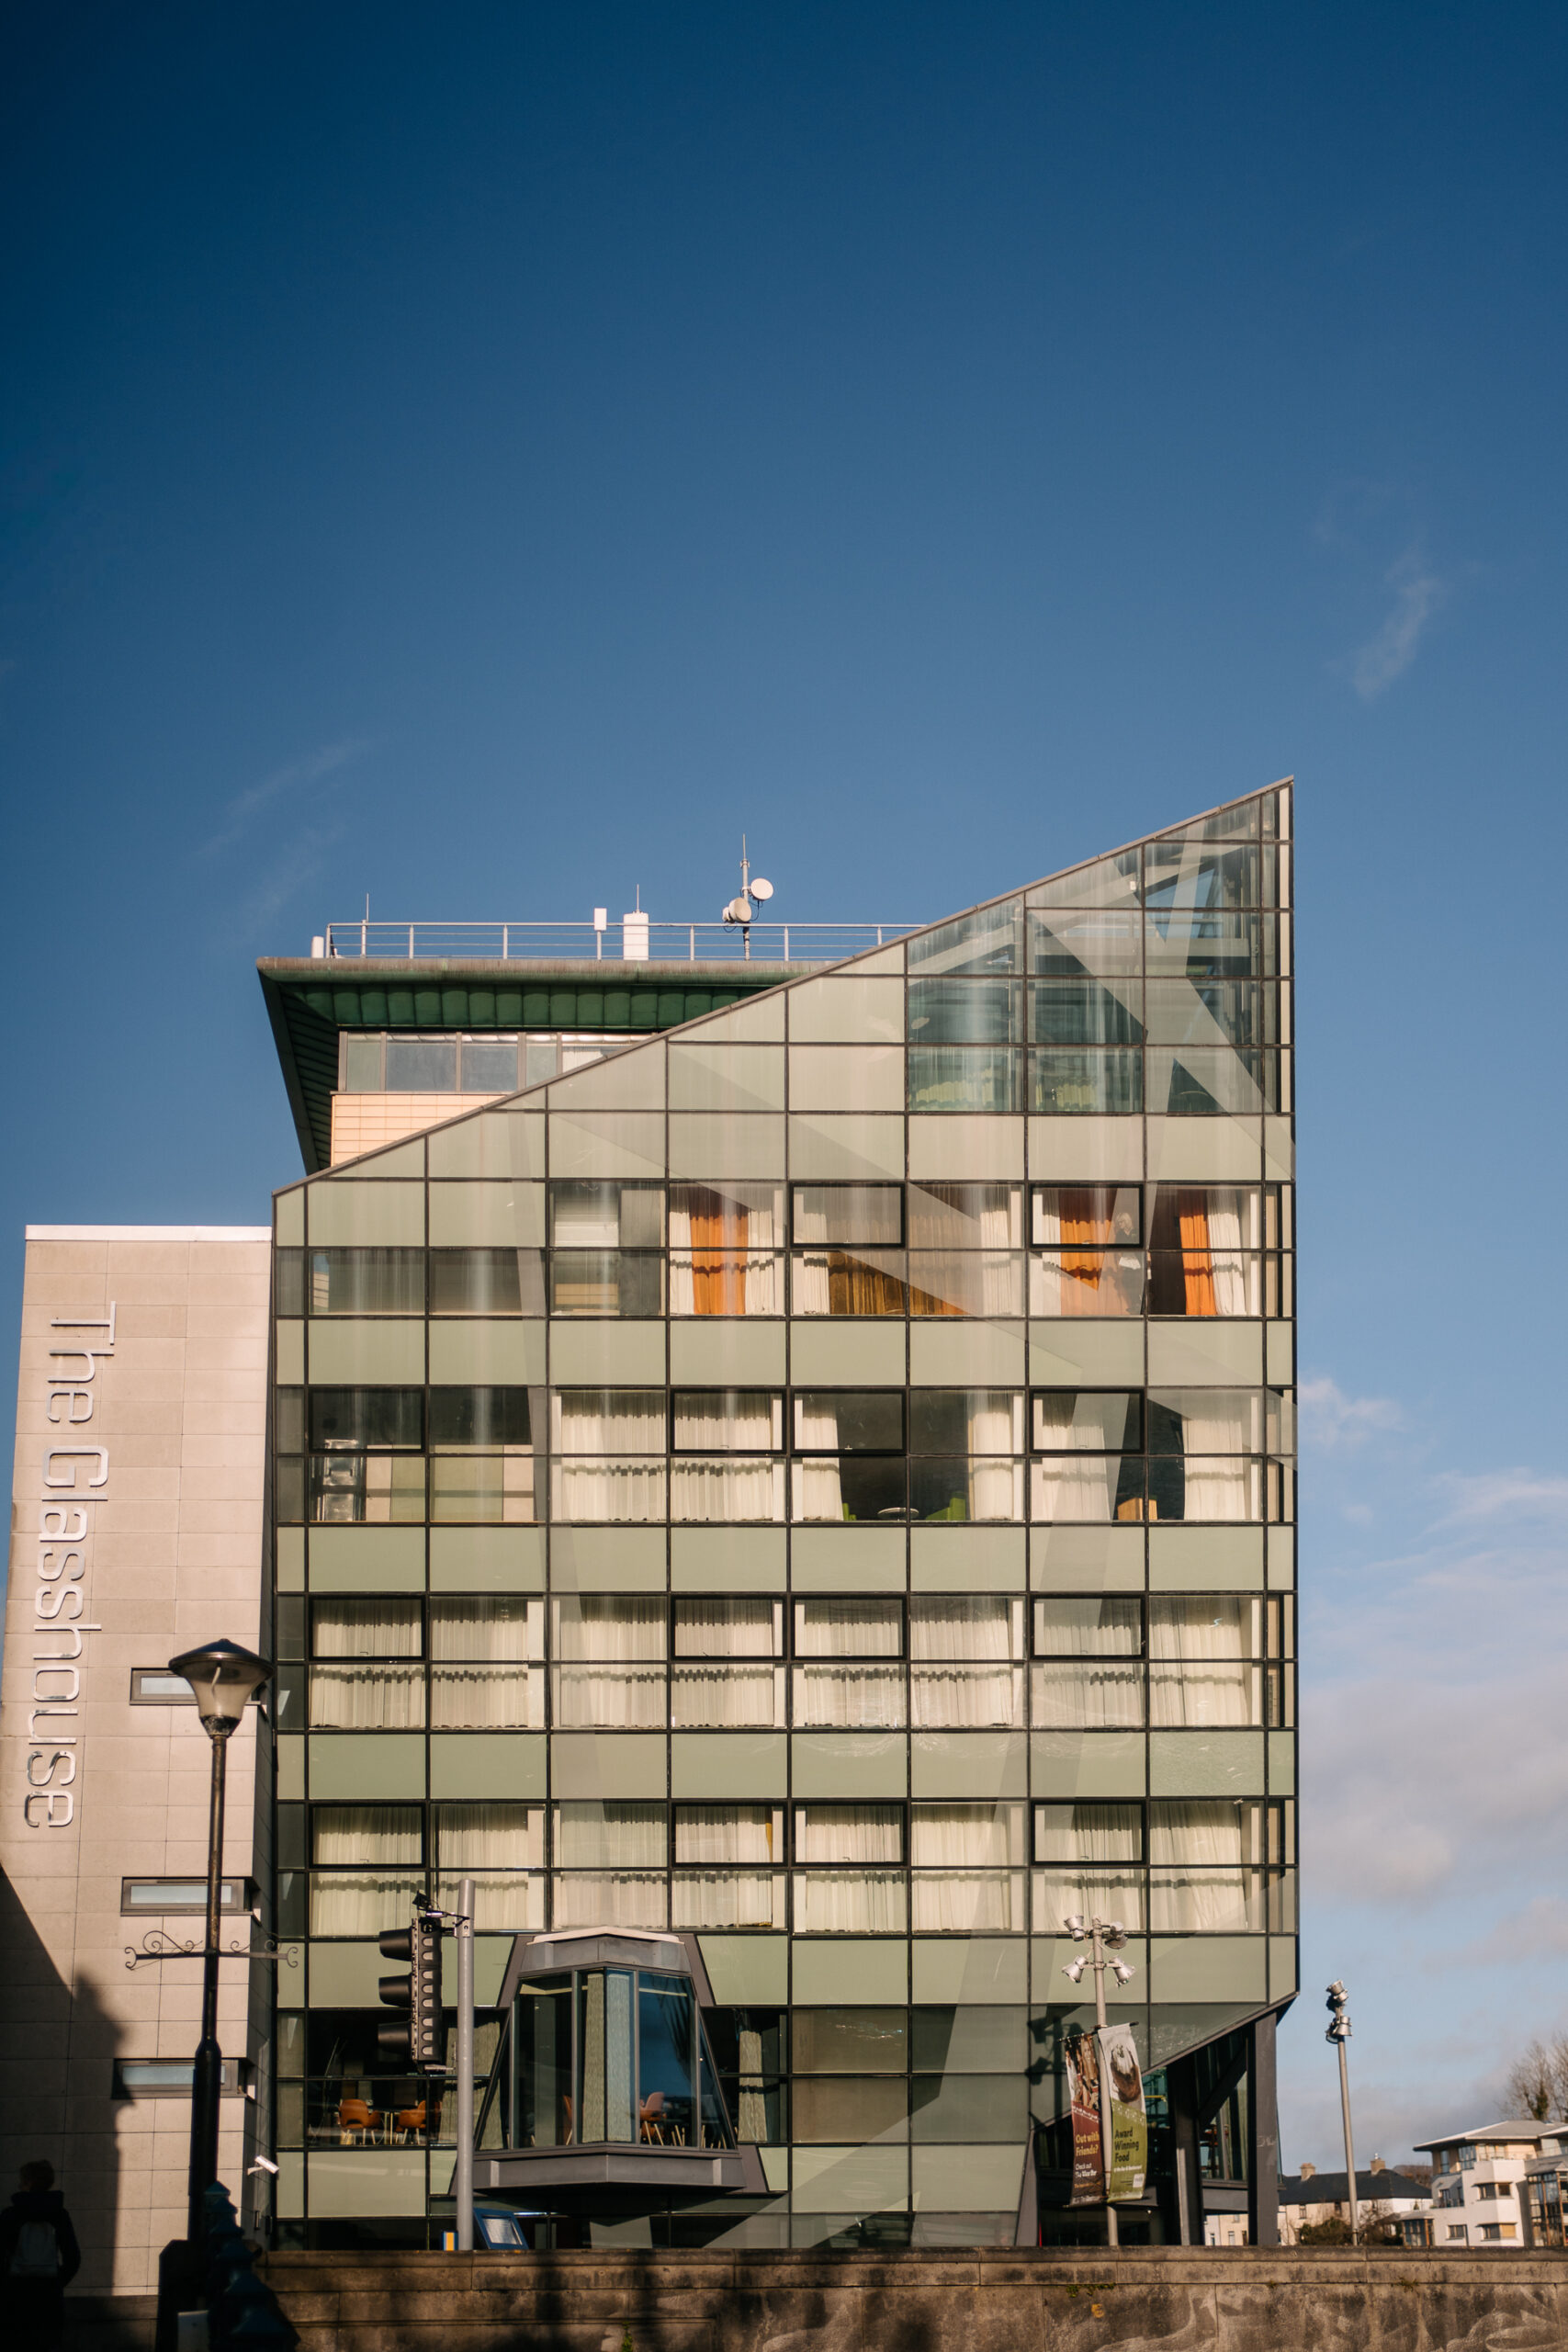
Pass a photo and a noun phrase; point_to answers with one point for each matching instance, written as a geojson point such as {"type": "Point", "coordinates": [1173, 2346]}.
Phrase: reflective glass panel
{"type": "Point", "coordinates": [966, 1013]}
{"type": "Point", "coordinates": [965, 1216]}
{"type": "Point", "coordinates": [1089, 1628]}
{"type": "Point", "coordinates": [1086, 1012]}
{"type": "Point", "coordinates": [421, 1066]}
{"type": "Point", "coordinates": [1087, 1420]}
{"type": "Point", "coordinates": [963, 1078]}
{"type": "Point", "coordinates": [1064, 1083]}
{"type": "Point", "coordinates": [990, 940]}
{"type": "Point", "coordinates": [489, 1068]}
{"type": "Point", "coordinates": [1086, 940]}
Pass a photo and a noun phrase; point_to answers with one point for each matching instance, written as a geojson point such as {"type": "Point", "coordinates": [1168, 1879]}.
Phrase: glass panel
{"type": "Point", "coordinates": [966, 1697]}
{"type": "Point", "coordinates": [1064, 1083]}
{"type": "Point", "coordinates": [364, 1282]}
{"type": "Point", "coordinates": [1201, 943]}
{"type": "Point", "coordinates": [989, 940]}
{"type": "Point", "coordinates": [1087, 1282]}
{"type": "Point", "coordinates": [611, 1698]}
{"type": "Point", "coordinates": [946, 1837]}
{"type": "Point", "coordinates": [851, 2042]}
{"type": "Point", "coordinates": [970, 2039]}
{"type": "Point", "coordinates": [1213, 1902]}
{"type": "Point", "coordinates": [1086, 1012]}
{"type": "Point", "coordinates": [851, 1216]}
{"type": "Point", "coordinates": [849, 1697]}
{"type": "Point", "coordinates": [965, 1282]}
{"type": "Point", "coordinates": [1103, 1894]}
{"type": "Point", "coordinates": [1198, 1487]}
{"type": "Point", "coordinates": [966, 1625]}
{"type": "Point", "coordinates": [727, 1698]}
{"type": "Point", "coordinates": [590, 1835]}
{"type": "Point", "coordinates": [859, 1627]}
{"type": "Point", "coordinates": [622, 1627]}
{"type": "Point", "coordinates": [1070, 942]}
{"type": "Point", "coordinates": [729, 1833]}
{"type": "Point", "coordinates": [370, 1835]}
{"type": "Point", "coordinates": [1088, 1833]}
{"type": "Point", "coordinates": [602, 1492]}
{"type": "Point", "coordinates": [715, 1626]}
{"type": "Point", "coordinates": [1086, 1217]}
{"type": "Point", "coordinates": [966, 1013]}
{"type": "Point", "coordinates": [1211, 1626]}
{"type": "Point", "coordinates": [355, 1417]}
{"type": "Point", "coordinates": [1212, 1013]}
{"type": "Point", "coordinates": [491, 1067]}
{"type": "Point", "coordinates": [732, 1420]}
{"type": "Point", "coordinates": [1093, 1490]}
{"type": "Point", "coordinates": [965, 1487]}
{"type": "Point", "coordinates": [1198, 1697]}
{"type": "Point", "coordinates": [966, 1216]}
{"type": "Point", "coordinates": [1088, 1698]}
{"type": "Point", "coordinates": [362, 1065]}
{"type": "Point", "coordinates": [1090, 1628]}
{"type": "Point", "coordinates": [421, 1066]}
{"type": "Point", "coordinates": [720, 1281]}
{"type": "Point", "coordinates": [834, 1281]}
{"type": "Point", "coordinates": [1109, 882]}
{"type": "Point", "coordinates": [1087, 1420]}
{"type": "Point", "coordinates": [608, 1420]}
{"type": "Point", "coordinates": [479, 1417]}
{"type": "Point", "coordinates": [367, 1698]}
{"type": "Point", "coordinates": [1204, 1282]}
{"type": "Point", "coordinates": [486, 1698]}
{"type": "Point", "coordinates": [1206, 1421]}
{"type": "Point", "coordinates": [968, 1903]}
{"type": "Point", "coordinates": [1184, 872]}
{"type": "Point", "coordinates": [724, 1242]}
{"type": "Point", "coordinates": [345, 1626]}
{"type": "Point", "coordinates": [489, 1836]}
{"type": "Point", "coordinates": [849, 2111]}
{"type": "Point", "coordinates": [837, 1903]}
{"type": "Point", "coordinates": [726, 1491]}
{"type": "Point", "coordinates": [849, 1833]}
{"type": "Point", "coordinates": [588, 1215]}
{"type": "Point", "coordinates": [667, 2057]}
{"type": "Point", "coordinates": [963, 1078]}
{"type": "Point", "coordinates": [843, 1420]}
{"type": "Point", "coordinates": [1202, 1082]}
{"type": "Point", "coordinates": [965, 1420]}
{"type": "Point", "coordinates": [484, 1488]}
{"type": "Point", "coordinates": [714, 1898]}
{"type": "Point", "coordinates": [504, 1904]}
{"type": "Point", "coordinates": [626, 1899]}
{"type": "Point", "coordinates": [1237, 822]}
{"type": "Point", "coordinates": [542, 2023]}
{"type": "Point", "coordinates": [606, 1282]}
{"type": "Point", "coordinates": [487, 1282]}
{"type": "Point", "coordinates": [350, 1488]}
{"type": "Point", "coordinates": [361, 1903]}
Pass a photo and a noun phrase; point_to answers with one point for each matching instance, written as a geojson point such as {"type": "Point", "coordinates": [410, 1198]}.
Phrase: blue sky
{"type": "Point", "coordinates": [485, 458]}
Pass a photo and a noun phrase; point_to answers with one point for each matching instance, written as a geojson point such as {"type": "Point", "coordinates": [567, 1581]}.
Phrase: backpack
{"type": "Point", "coordinates": [36, 2253]}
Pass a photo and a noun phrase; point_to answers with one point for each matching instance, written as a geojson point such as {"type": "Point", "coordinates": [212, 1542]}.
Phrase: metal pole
{"type": "Point", "coordinates": [1350, 2149]}
{"type": "Point", "coordinates": [1098, 1964]}
{"type": "Point", "coordinates": [207, 2074]}
{"type": "Point", "coordinates": [463, 2179]}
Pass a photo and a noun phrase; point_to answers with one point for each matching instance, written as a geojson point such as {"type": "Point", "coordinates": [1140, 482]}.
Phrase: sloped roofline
{"type": "Point", "coordinates": [759, 996]}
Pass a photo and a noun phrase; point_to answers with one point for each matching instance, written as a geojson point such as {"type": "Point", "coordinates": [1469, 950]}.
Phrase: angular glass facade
{"type": "Point", "coordinates": [822, 1482]}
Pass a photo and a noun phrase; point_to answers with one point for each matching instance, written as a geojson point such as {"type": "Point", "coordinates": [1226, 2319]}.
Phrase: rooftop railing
{"type": "Point", "coordinates": [633, 939]}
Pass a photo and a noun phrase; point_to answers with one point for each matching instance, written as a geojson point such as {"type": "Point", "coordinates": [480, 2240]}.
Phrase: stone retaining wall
{"type": "Point", "coordinates": [1179, 2299]}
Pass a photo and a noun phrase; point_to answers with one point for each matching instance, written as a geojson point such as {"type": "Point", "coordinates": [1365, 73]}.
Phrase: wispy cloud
{"type": "Point", "coordinates": [1493, 1495]}
{"type": "Point", "coordinates": [1333, 1422]}
{"type": "Point", "coordinates": [312, 767]}
{"type": "Point", "coordinates": [1389, 651]}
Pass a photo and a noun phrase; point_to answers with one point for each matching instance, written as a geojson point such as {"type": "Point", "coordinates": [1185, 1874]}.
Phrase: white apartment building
{"type": "Point", "coordinates": [1476, 2177]}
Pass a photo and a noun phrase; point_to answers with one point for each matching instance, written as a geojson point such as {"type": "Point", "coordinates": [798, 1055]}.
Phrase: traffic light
{"type": "Point", "coordinates": [421, 2040]}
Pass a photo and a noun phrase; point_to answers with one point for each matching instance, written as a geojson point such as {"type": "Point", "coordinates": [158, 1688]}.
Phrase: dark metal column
{"type": "Point", "coordinates": [1262, 2135]}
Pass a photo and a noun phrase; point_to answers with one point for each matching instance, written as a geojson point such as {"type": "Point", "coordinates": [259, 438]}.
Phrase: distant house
{"type": "Point", "coordinates": [1312, 2198]}
{"type": "Point", "coordinates": [1477, 2177]}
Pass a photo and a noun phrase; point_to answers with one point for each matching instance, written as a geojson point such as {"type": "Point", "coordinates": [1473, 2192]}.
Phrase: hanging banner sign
{"type": "Point", "coordinates": [1082, 2053]}
{"type": "Point", "coordinates": [1126, 2115]}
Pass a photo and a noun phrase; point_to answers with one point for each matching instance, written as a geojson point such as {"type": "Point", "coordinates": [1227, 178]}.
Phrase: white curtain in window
{"type": "Point", "coordinates": [346, 1628]}
{"type": "Point", "coordinates": [967, 1698]}
{"type": "Point", "coordinates": [610, 1837]}
{"type": "Point", "coordinates": [1084, 1697]}
{"type": "Point", "coordinates": [1230, 1269]}
{"type": "Point", "coordinates": [848, 1833]}
{"type": "Point", "coordinates": [367, 1698]}
{"type": "Point", "coordinates": [1074, 1486]}
{"type": "Point", "coordinates": [956, 1837]}
{"type": "Point", "coordinates": [726, 1490]}
{"type": "Point", "coordinates": [1108, 1894]}
{"type": "Point", "coordinates": [831, 1628]}
{"type": "Point", "coordinates": [748, 1222]}
{"type": "Point", "coordinates": [966, 1902]}
{"type": "Point", "coordinates": [1220, 1489]}
{"type": "Point", "coordinates": [599, 1493]}
{"type": "Point", "coordinates": [729, 1899]}
{"type": "Point", "coordinates": [850, 1903]}
{"type": "Point", "coordinates": [1088, 1628]}
{"type": "Point", "coordinates": [485, 1629]}
{"type": "Point", "coordinates": [610, 1698]}
{"type": "Point", "coordinates": [857, 1698]}
{"type": "Point", "coordinates": [504, 1905]}
{"type": "Point", "coordinates": [374, 1833]}
{"type": "Point", "coordinates": [1205, 1902]}
{"type": "Point", "coordinates": [489, 1836]}
{"type": "Point", "coordinates": [965, 1626]}
{"type": "Point", "coordinates": [1092, 1833]}
{"type": "Point", "coordinates": [726, 1834]}
{"type": "Point", "coordinates": [720, 1698]}
{"type": "Point", "coordinates": [996, 1490]}
{"type": "Point", "coordinates": [1202, 1629]}
{"type": "Point", "coordinates": [1199, 1696]}
{"type": "Point", "coordinates": [1211, 1834]}
{"type": "Point", "coordinates": [965, 1216]}
{"type": "Point", "coordinates": [486, 1698]}
{"type": "Point", "coordinates": [615, 1628]}
{"type": "Point", "coordinates": [850, 1215]}
{"type": "Point", "coordinates": [361, 1903]}
{"type": "Point", "coordinates": [819, 1490]}
{"type": "Point", "coordinates": [726, 1628]}
{"type": "Point", "coordinates": [749, 1421]}
{"type": "Point", "coordinates": [1207, 1841]}
{"type": "Point", "coordinates": [608, 1420]}
{"type": "Point", "coordinates": [623, 1901]}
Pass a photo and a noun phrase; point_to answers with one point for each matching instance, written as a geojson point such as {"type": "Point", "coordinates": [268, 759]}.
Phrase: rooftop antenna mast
{"type": "Point", "coordinates": [741, 911]}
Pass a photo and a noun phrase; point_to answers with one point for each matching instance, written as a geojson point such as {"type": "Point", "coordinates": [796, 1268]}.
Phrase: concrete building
{"type": "Point", "coordinates": [794, 1506]}
{"type": "Point", "coordinates": [1476, 2184]}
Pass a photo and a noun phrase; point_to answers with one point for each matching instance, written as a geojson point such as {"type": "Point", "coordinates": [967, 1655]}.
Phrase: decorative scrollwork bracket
{"type": "Point", "coordinates": [158, 1944]}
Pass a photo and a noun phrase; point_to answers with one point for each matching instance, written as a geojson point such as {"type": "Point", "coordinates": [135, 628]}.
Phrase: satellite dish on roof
{"type": "Point", "coordinates": [760, 889]}
{"type": "Point", "coordinates": [738, 911]}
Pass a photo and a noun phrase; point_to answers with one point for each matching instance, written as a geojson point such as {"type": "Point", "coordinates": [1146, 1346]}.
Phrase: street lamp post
{"type": "Point", "coordinates": [224, 1679]}
{"type": "Point", "coordinates": [1103, 1936]}
{"type": "Point", "coordinates": [1339, 2032]}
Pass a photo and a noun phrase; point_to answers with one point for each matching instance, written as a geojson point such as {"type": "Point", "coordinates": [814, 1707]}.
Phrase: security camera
{"type": "Point", "coordinates": [264, 2163]}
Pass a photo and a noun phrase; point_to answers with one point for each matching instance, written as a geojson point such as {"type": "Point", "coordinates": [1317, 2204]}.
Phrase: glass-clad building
{"type": "Point", "coordinates": [815, 1491]}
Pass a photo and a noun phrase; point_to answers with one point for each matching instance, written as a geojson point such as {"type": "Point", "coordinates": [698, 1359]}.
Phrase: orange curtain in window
{"type": "Point", "coordinates": [1197, 1258]}
{"type": "Point", "coordinates": [1082, 1266]}
{"type": "Point", "coordinates": [718, 1256]}
{"type": "Point", "coordinates": [856, 1288]}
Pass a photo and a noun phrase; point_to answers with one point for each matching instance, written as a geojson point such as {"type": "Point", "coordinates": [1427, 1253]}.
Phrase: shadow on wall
{"type": "Point", "coordinates": [57, 2054]}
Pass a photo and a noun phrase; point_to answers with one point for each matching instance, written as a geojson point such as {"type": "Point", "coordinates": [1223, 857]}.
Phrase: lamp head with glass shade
{"type": "Point", "coordinates": [1075, 1927]}
{"type": "Point", "coordinates": [225, 1678]}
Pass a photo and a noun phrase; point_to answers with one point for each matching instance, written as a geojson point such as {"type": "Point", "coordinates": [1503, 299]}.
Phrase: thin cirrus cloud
{"type": "Point", "coordinates": [1333, 1422]}
{"type": "Point", "coordinates": [311, 767]}
{"type": "Point", "coordinates": [1418, 592]}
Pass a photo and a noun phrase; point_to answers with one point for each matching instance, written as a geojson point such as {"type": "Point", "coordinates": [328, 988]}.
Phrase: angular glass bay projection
{"type": "Point", "coordinates": [825, 1479]}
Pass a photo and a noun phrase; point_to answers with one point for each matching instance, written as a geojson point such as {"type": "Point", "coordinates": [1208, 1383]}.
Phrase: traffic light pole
{"type": "Point", "coordinates": [463, 2176]}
